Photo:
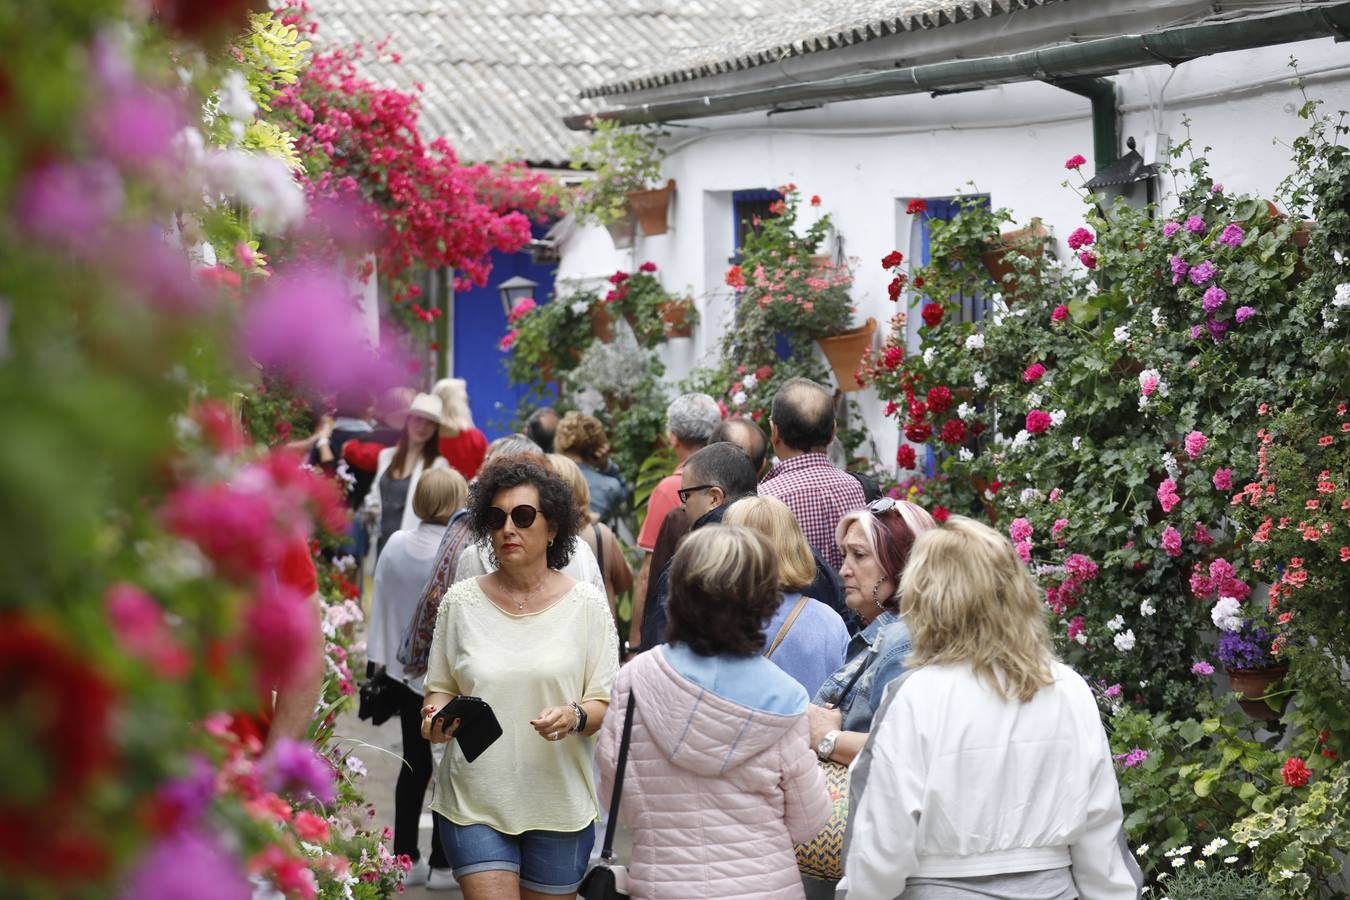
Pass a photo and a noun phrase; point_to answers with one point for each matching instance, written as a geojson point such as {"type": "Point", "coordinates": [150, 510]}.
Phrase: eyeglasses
{"type": "Point", "coordinates": [876, 507]}
{"type": "Point", "coordinates": [523, 516]}
{"type": "Point", "coordinates": [686, 493]}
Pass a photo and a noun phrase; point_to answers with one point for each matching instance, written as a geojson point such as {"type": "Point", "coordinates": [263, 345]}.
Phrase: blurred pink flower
{"type": "Point", "coordinates": [135, 126]}
{"type": "Point", "coordinates": [138, 623]}
{"type": "Point", "coordinates": [69, 204]}
{"type": "Point", "coordinates": [187, 864]}
{"type": "Point", "coordinates": [282, 631]}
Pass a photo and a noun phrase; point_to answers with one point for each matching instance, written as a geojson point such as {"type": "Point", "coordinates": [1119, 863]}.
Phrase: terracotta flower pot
{"type": "Point", "coordinates": [651, 207]}
{"type": "Point", "coordinates": [821, 263]}
{"type": "Point", "coordinates": [1252, 684]}
{"type": "Point", "coordinates": [621, 232]}
{"type": "Point", "coordinates": [602, 323]}
{"type": "Point", "coordinates": [675, 318]}
{"type": "Point", "coordinates": [845, 352]}
{"type": "Point", "coordinates": [998, 261]}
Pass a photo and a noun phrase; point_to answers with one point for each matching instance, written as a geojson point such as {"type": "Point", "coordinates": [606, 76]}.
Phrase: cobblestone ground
{"type": "Point", "coordinates": [378, 787]}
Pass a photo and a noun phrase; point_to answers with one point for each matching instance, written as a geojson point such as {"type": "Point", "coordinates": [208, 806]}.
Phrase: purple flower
{"type": "Point", "coordinates": [1214, 298]}
{"type": "Point", "coordinates": [1245, 649]}
{"type": "Point", "coordinates": [1112, 691]}
{"type": "Point", "coordinates": [1216, 327]}
{"type": "Point", "coordinates": [1216, 188]}
{"type": "Point", "coordinates": [1133, 758]}
{"type": "Point", "coordinates": [294, 767]}
{"type": "Point", "coordinates": [158, 274]}
{"type": "Point", "coordinates": [135, 127]}
{"type": "Point", "coordinates": [1202, 668]}
{"type": "Point", "coordinates": [189, 796]}
{"type": "Point", "coordinates": [1244, 313]}
{"type": "Point", "coordinates": [1170, 229]}
{"type": "Point", "coordinates": [187, 864]}
{"type": "Point", "coordinates": [1195, 224]}
{"type": "Point", "coordinates": [1203, 273]}
{"type": "Point", "coordinates": [1196, 331]}
{"type": "Point", "coordinates": [1232, 235]}
{"type": "Point", "coordinates": [1179, 269]}
{"type": "Point", "coordinates": [67, 204]}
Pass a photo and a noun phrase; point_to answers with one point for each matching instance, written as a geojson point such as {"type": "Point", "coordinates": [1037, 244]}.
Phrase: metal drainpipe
{"type": "Point", "coordinates": [1064, 61]}
{"type": "Point", "coordinates": [1105, 116]}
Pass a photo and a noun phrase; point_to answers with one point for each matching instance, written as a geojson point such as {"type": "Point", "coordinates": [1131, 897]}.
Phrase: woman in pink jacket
{"type": "Point", "coordinates": [721, 780]}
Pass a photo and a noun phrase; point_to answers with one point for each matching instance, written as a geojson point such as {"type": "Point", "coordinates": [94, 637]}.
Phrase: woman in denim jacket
{"type": "Point", "coordinates": [876, 543]}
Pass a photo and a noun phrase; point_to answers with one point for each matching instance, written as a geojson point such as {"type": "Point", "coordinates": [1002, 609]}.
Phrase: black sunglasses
{"type": "Point", "coordinates": [686, 493]}
{"type": "Point", "coordinates": [523, 515]}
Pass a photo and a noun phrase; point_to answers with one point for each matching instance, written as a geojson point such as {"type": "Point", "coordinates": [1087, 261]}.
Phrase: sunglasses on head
{"type": "Point", "coordinates": [885, 504]}
{"type": "Point", "coordinates": [523, 516]}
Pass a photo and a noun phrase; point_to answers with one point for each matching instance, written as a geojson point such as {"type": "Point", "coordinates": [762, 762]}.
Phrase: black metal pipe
{"type": "Point", "coordinates": [1105, 116]}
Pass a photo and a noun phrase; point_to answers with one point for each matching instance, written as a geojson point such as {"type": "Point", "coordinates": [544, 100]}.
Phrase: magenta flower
{"type": "Point", "coordinates": [1217, 328]}
{"type": "Point", "coordinates": [293, 767]}
{"type": "Point", "coordinates": [520, 309]}
{"type": "Point", "coordinates": [187, 863]}
{"type": "Point", "coordinates": [1080, 567]}
{"type": "Point", "coordinates": [1170, 228]}
{"type": "Point", "coordinates": [1195, 224]}
{"type": "Point", "coordinates": [1223, 479]}
{"type": "Point", "coordinates": [1179, 268]}
{"type": "Point", "coordinates": [1243, 314]}
{"type": "Point", "coordinates": [1133, 758]}
{"type": "Point", "coordinates": [1167, 495]}
{"type": "Point", "coordinates": [1075, 161]}
{"type": "Point", "coordinates": [1112, 691]}
{"type": "Point", "coordinates": [1020, 529]}
{"type": "Point", "coordinates": [1214, 298]}
{"type": "Point", "coordinates": [1171, 541]}
{"type": "Point", "coordinates": [1088, 259]}
{"type": "Point", "coordinates": [281, 635]}
{"type": "Point", "coordinates": [1033, 373]}
{"type": "Point", "coordinates": [135, 127]}
{"type": "Point", "coordinates": [1216, 188]}
{"type": "Point", "coordinates": [1058, 526]}
{"type": "Point", "coordinates": [1038, 421]}
{"type": "Point", "coordinates": [140, 627]}
{"type": "Point", "coordinates": [1196, 331]}
{"type": "Point", "coordinates": [1200, 667]}
{"type": "Point", "coordinates": [1059, 313]}
{"type": "Point", "coordinates": [1232, 235]}
{"type": "Point", "coordinates": [1195, 443]}
{"type": "Point", "coordinates": [69, 205]}
{"type": "Point", "coordinates": [1075, 627]}
{"type": "Point", "coordinates": [1203, 273]}
{"type": "Point", "coordinates": [1080, 237]}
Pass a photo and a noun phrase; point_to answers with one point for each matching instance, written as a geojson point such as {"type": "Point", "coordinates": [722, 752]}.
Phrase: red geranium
{"type": "Point", "coordinates": [892, 357]}
{"type": "Point", "coordinates": [1088, 259]}
{"type": "Point", "coordinates": [763, 372]}
{"type": "Point", "coordinates": [892, 259]}
{"type": "Point", "coordinates": [918, 432]}
{"type": "Point", "coordinates": [906, 458]}
{"type": "Point", "coordinates": [953, 432]}
{"type": "Point", "coordinates": [618, 277]}
{"type": "Point", "coordinates": [1038, 421]}
{"type": "Point", "coordinates": [1296, 772]}
{"type": "Point", "coordinates": [1033, 373]}
{"type": "Point", "coordinates": [895, 287]}
{"type": "Point", "coordinates": [735, 278]}
{"type": "Point", "coordinates": [647, 267]}
{"type": "Point", "coordinates": [1059, 313]}
{"type": "Point", "coordinates": [1073, 162]}
{"type": "Point", "coordinates": [932, 314]}
{"type": "Point", "coordinates": [815, 199]}
{"type": "Point", "coordinates": [941, 514]}
{"type": "Point", "coordinates": [939, 399]}
{"type": "Point", "coordinates": [915, 207]}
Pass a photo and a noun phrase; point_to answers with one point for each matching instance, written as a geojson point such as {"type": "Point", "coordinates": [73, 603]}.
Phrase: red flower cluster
{"type": "Point", "coordinates": [895, 287]}
{"type": "Point", "coordinates": [815, 199]}
{"type": "Point", "coordinates": [735, 278]}
{"type": "Point", "coordinates": [953, 432]}
{"type": "Point", "coordinates": [892, 259]}
{"type": "Point", "coordinates": [1080, 237]}
{"type": "Point", "coordinates": [648, 266]}
{"type": "Point", "coordinates": [915, 207]}
{"type": "Point", "coordinates": [1033, 373]}
{"type": "Point", "coordinates": [892, 357]}
{"type": "Point", "coordinates": [941, 514]}
{"type": "Point", "coordinates": [1059, 313]}
{"type": "Point", "coordinates": [1295, 772]}
{"type": "Point", "coordinates": [939, 399]}
{"type": "Point", "coordinates": [931, 314]}
{"type": "Point", "coordinates": [1038, 421]}
{"type": "Point", "coordinates": [918, 432]}
{"type": "Point", "coordinates": [1075, 161]}
{"type": "Point", "coordinates": [906, 458]}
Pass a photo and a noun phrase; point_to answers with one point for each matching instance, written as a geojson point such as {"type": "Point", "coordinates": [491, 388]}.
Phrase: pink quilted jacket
{"type": "Point", "coordinates": [715, 792]}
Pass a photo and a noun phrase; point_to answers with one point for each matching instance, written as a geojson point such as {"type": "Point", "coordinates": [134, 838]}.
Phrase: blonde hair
{"type": "Point", "coordinates": [771, 518]}
{"type": "Point", "coordinates": [582, 436]}
{"type": "Point", "coordinates": [969, 599]}
{"type": "Point", "coordinates": [440, 492]}
{"type": "Point", "coordinates": [576, 482]}
{"type": "Point", "coordinates": [454, 396]}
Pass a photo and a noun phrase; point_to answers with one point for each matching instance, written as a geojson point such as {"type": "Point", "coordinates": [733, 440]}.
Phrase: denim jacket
{"type": "Point", "coordinates": [882, 646]}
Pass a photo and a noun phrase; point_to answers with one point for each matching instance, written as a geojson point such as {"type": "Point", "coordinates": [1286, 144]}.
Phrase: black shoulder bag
{"type": "Point", "coordinates": [600, 882]}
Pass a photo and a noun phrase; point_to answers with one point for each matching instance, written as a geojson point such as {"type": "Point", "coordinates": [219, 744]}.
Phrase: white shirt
{"type": "Point", "coordinates": [372, 501]}
{"type": "Point", "coordinates": [400, 577]}
{"type": "Point", "coordinates": [476, 559]}
{"type": "Point", "coordinates": [955, 781]}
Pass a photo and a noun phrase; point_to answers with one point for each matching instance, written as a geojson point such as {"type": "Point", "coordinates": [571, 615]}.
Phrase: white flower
{"type": "Point", "coordinates": [1157, 316]}
{"type": "Point", "coordinates": [928, 355]}
{"type": "Point", "coordinates": [580, 308]}
{"type": "Point", "coordinates": [750, 381]}
{"type": "Point", "coordinates": [1116, 622]}
{"type": "Point", "coordinates": [1143, 402]}
{"type": "Point", "coordinates": [1022, 439]}
{"type": "Point", "coordinates": [975, 342]}
{"type": "Point", "coordinates": [356, 765]}
{"type": "Point", "coordinates": [1057, 417]}
{"type": "Point", "coordinates": [1076, 442]}
{"type": "Point", "coordinates": [965, 411]}
{"type": "Point", "coordinates": [1225, 615]}
{"type": "Point", "coordinates": [1146, 608]}
{"type": "Point", "coordinates": [738, 398]}
{"type": "Point", "coordinates": [1199, 863]}
{"type": "Point", "coordinates": [1029, 494]}
{"type": "Point", "coordinates": [1125, 641]}
{"type": "Point", "coordinates": [1034, 399]}
{"type": "Point", "coordinates": [261, 182]}
{"type": "Point", "coordinates": [965, 455]}
{"type": "Point", "coordinates": [344, 563]}
{"type": "Point", "coordinates": [1178, 863]}
{"type": "Point", "coordinates": [234, 99]}
{"type": "Point", "coordinates": [1286, 874]}
{"type": "Point", "coordinates": [1121, 335]}
{"type": "Point", "coordinates": [980, 381]}
{"type": "Point", "coordinates": [1170, 464]}
{"type": "Point", "coordinates": [1141, 849]}
{"type": "Point", "coordinates": [1214, 846]}
{"type": "Point", "coordinates": [1182, 851]}
{"type": "Point", "coordinates": [1081, 638]}
{"type": "Point", "coordinates": [1336, 255]}
{"type": "Point", "coordinates": [1342, 297]}
{"type": "Point", "coordinates": [1230, 859]}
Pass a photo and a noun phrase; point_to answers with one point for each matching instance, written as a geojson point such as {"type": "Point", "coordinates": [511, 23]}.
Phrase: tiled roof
{"type": "Point", "coordinates": [819, 26]}
{"type": "Point", "coordinates": [500, 74]}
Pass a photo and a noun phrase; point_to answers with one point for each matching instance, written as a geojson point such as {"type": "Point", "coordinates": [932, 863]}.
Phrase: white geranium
{"type": "Point", "coordinates": [1156, 315]}
{"type": "Point", "coordinates": [1342, 297]}
{"type": "Point", "coordinates": [1121, 335]}
{"type": "Point", "coordinates": [750, 381]}
{"type": "Point", "coordinates": [1170, 464]}
{"type": "Point", "coordinates": [1021, 440]}
{"type": "Point", "coordinates": [234, 99]}
{"type": "Point", "coordinates": [965, 411]}
{"type": "Point", "coordinates": [1081, 638]}
{"type": "Point", "coordinates": [1146, 607]}
{"type": "Point", "coordinates": [1057, 417]}
{"type": "Point", "coordinates": [1116, 622]}
{"type": "Point", "coordinates": [261, 182]}
{"type": "Point", "coordinates": [965, 455]}
{"type": "Point", "coordinates": [975, 342]}
{"type": "Point", "coordinates": [1076, 442]}
{"type": "Point", "coordinates": [1226, 614]}
{"type": "Point", "coordinates": [928, 356]}
{"type": "Point", "coordinates": [1034, 400]}
{"type": "Point", "coordinates": [1029, 494]}
{"type": "Point", "coordinates": [738, 398]}
{"type": "Point", "coordinates": [1125, 641]}
{"type": "Point", "coordinates": [580, 308]}
{"type": "Point", "coordinates": [356, 765]}
{"type": "Point", "coordinates": [980, 381]}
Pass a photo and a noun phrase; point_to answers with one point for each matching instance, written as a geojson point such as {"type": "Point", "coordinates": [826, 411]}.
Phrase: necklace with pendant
{"type": "Point", "coordinates": [529, 595]}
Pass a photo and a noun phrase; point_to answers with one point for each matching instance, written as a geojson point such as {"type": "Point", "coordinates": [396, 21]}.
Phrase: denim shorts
{"type": "Point", "coordinates": [547, 862]}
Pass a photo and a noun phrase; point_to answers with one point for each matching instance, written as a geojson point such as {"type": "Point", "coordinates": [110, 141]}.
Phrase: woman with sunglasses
{"type": "Point", "coordinates": [541, 649]}
{"type": "Point", "coordinates": [876, 544]}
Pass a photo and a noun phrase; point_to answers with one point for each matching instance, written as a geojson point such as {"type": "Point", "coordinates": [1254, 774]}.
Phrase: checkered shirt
{"type": "Point", "coordinates": [819, 495]}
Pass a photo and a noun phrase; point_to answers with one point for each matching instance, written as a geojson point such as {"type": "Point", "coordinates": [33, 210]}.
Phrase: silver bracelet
{"type": "Point", "coordinates": [581, 717]}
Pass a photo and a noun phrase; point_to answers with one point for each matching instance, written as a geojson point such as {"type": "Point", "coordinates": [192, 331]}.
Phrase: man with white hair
{"type": "Point", "coordinates": [690, 420]}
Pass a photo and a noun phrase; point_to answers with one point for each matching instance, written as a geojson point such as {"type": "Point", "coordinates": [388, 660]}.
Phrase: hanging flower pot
{"type": "Point", "coordinates": [998, 261]}
{"type": "Point", "coordinates": [1252, 684]}
{"type": "Point", "coordinates": [821, 263]}
{"type": "Point", "coordinates": [676, 318]}
{"type": "Point", "coordinates": [602, 323]}
{"type": "Point", "coordinates": [651, 207]}
{"type": "Point", "coordinates": [845, 353]}
{"type": "Point", "coordinates": [621, 231]}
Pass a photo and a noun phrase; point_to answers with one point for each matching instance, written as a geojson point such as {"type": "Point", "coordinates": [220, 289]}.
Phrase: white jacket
{"type": "Point", "coordinates": [956, 781]}
{"type": "Point", "coordinates": [372, 501]}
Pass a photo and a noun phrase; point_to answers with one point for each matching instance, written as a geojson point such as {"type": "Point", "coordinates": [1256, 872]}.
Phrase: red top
{"type": "Point", "coordinates": [664, 497]}
{"type": "Point", "coordinates": [295, 569]}
{"type": "Point", "coordinates": [465, 451]}
{"type": "Point", "coordinates": [363, 456]}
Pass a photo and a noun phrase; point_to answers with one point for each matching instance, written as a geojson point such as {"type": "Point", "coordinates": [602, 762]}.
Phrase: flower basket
{"type": "Point", "coordinates": [651, 207]}
{"type": "Point", "coordinates": [1029, 241]}
{"type": "Point", "coordinates": [845, 352]}
{"type": "Point", "coordinates": [621, 231]}
{"type": "Point", "coordinates": [602, 323]}
{"type": "Point", "coordinates": [1252, 684]}
{"type": "Point", "coordinates": [675, 318]}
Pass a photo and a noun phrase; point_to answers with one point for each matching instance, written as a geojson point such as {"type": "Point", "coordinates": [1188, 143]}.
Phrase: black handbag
{"type": "Point", "coordinates": [600, 882]}
{"type": "Point", "coordinates": [378, 698]}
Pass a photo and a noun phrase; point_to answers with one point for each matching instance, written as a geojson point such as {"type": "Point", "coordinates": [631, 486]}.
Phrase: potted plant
{"type": "Point", "coordinates": [623, 162]}
{"type": "Point", "coordinates": [643, 302]}
{"type": "Point", "coordinates": [678, 317]}
{"type": "Point", "coordinates": [1030, 242]}
{"type": "Point", "coordinates": [1245, 650]}
{"type": "Point", "coordinates": [545, 341]}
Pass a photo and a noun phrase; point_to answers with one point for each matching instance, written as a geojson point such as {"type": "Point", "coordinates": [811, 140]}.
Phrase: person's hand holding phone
{"type": "Point", "coordinates": [438, 731]}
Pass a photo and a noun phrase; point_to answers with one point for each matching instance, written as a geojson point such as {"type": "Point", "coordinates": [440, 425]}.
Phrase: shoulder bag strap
{"type": "Point", "coordinates": [786, 626]}
{"type": "Point", "coordinates": [599, 550]}
{"type": "Point", "coordinates": [854, 680]}
{"type": "Point", "coordinates": [607, 852]}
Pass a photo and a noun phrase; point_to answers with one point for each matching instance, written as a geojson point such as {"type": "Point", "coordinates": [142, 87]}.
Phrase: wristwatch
{"type": "Point", "coordinates": [581, 718]}
{"type": "Point", "coordinates": [825, 749]}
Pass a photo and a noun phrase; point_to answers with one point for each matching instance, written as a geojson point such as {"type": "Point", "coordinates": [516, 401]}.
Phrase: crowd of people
{"type": "Point", "coordinates": [821, 692]}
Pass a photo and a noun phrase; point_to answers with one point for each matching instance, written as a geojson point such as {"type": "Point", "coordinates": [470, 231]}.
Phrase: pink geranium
{"type": "Point", "coordinates": [1223, 479]}
{"type": "Point", "coordinates": [1195, 443]}
{"type": "Point", "coordinates": [1167, 494]}
{"type": "Point", "coordinates": [1171, 541]}
{"type": "Point", "coordinates": [1038, 421]}
{"type": "Point", "coordinates": [1020, 529]}
{"type": "Point", "coordinates": [1059, 313]}
{"type": "Point", "coordinates": [139, 624]}
{"type": "Point", "coordinates": [1033, 373]}
{"type": "Point", "coordinates": [282, 632]}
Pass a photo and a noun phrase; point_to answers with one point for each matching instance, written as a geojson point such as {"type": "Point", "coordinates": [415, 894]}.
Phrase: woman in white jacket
{"type": "Point", "coordinates": [388, 506]}
{"type": "Point", "coordinates": [988, 772]}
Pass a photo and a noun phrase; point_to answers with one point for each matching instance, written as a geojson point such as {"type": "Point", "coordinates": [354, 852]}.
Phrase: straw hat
{"type": "Point", "coordinates": [428, 407]}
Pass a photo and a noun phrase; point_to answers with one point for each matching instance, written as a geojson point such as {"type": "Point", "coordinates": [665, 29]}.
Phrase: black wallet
{"type": "Point", "coordinates": [478, 726]}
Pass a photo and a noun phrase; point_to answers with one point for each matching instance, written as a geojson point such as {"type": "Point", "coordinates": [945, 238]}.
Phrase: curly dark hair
{"type": "Point", "coordinates": [555, 501]}
{"type": "Point", "coordinates": [723, 588]}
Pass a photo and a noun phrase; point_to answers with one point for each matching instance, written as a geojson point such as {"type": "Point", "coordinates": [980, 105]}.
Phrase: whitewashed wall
{"type": "Point", "coordinates": [867, 158]}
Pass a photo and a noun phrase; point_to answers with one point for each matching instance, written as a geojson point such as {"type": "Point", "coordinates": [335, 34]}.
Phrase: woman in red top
{"type": "Point", "coordinates": [462, 445]}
